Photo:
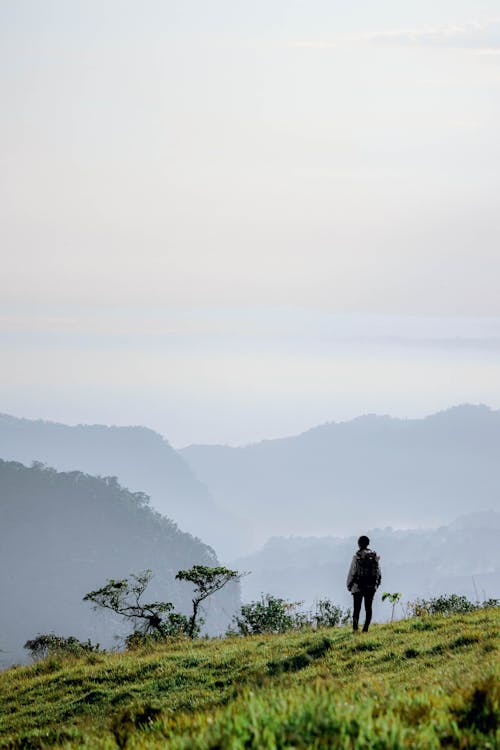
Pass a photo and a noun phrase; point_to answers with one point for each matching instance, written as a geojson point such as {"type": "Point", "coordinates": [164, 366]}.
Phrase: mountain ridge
{"type": "Point", "coordinates": [404, 473]}
{"type": "Point", "coordinates": [416, 562]}
{"type": "Point", "coordinates": [141, 459]}
{"type": "Point", "coordinates": [362, 418]}
{"type": "Point", "coordinates": [63, 534]}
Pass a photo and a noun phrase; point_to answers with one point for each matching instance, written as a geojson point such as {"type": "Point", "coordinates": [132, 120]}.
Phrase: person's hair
{"type": "Point", "coordinates": [363, 542]}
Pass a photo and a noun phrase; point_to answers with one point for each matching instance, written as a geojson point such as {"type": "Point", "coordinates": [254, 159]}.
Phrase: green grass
{"type": "Point", "coordinates": [422, 683]}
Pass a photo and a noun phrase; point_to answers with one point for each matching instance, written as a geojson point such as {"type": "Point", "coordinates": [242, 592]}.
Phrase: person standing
{"type": "Point", "coordinates": [363, 579]}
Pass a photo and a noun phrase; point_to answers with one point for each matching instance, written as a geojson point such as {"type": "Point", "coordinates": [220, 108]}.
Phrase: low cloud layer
{"type": "Point", "coordinates": [474, 36]}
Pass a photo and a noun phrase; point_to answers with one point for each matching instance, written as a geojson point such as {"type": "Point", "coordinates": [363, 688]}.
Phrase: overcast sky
{"type": "Point", "coordinates": [232, 220]}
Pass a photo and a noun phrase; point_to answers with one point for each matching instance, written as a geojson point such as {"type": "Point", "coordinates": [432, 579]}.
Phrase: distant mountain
{"type": "Point", "coordinates": [370, 472]}
{"type": "Point", "coordinates": [64, 534]}
{"type": "Point", "coordinates": [140, 458]}
{"type": "Point", "coordinates": [462, 557]}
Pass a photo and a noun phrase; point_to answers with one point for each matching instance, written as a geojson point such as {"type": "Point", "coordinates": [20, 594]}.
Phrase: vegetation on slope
{"type": "Point", "coordinates": [140, 458]}
{"type": "Point", "coordinates": [414, 561]}
{"type": "Point", "coordinates": [426, 682]}
{"type": "Point", "coordinates": [308, 483]}
{"type": "Point", "coordinates": [63, 534]}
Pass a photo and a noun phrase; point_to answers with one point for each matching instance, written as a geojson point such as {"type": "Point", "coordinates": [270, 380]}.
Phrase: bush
{"type": "Point", "coordinates": [56, 645]}
{"type": "Point", "coordinates": [269, 615]}
{"type": "Point", "coordinates": [274, 615]}
{"type": "Point", "coordinates": [178, 628]}
{"type": "Point", "coordinates": [448, 604]}
{"type": "Point", "coordinates": [330, 615]}
{"type": "Point", "coordinates": [490, 603]}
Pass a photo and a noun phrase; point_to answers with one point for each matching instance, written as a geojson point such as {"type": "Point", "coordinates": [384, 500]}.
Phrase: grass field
{"type": "Point", "coordinates": [421, 683]}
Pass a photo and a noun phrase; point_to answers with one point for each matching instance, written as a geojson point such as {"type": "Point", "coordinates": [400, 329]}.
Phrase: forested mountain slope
{"type": "Point", "coordinates": [140, 458]}
{"type": "Point", "coordinates": [64, 534]}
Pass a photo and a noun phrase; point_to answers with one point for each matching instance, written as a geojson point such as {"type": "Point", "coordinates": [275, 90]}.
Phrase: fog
{"type": "Point", "coordinates": [235, 376]}
{"type": "Point", "coordinates": [287, 511]}
{"type": "Point", "coordinates": [461, 557]}
{"type": "Point", "coordinates": [189, 154]}
{"type": "Point", "coordinates": [249, 266]}
{"type": "Point", "coordinates": [232, 222]}
{"type": "Point", "coordinates": [373, 471]}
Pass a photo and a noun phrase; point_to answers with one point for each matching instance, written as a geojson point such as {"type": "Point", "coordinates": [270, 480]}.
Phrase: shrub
{"type": "Point", "coordinates": [329, 615]}
{"type": "Point", "coordinates": [490, 603]}
{"type": "Point", "coordinates": [269, 615]}
{"type": "Point", "coordinates": [178, 628]}
{"type": "Point", "coordinates": [57, 645]}
{"type": "Point", "coordinates": [274, 615]}
{"type": "Point", "coordinates": [448, 604]}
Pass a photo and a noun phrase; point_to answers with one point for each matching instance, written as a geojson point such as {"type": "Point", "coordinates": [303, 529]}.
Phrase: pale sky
{"type": "Point", "coordinates": [233, 220]}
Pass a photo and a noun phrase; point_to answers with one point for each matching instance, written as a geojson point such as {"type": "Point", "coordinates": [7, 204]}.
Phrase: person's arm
{"type": "Point", "coordinates": [379, 572]}
{"type": "Point", "coordinates": [352, 573]}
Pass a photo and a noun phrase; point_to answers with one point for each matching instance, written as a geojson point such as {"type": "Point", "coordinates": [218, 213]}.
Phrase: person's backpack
{"type": "Point", "coordinates": [367, 569]}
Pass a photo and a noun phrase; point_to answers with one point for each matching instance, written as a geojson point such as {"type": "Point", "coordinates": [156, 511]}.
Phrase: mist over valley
{"type": "Point", "coordinates": [288, 511]}
{"type": "Point", "coordinates": [250, 375]}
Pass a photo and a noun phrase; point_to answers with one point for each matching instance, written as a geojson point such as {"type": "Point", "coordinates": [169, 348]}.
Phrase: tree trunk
{"type": "Point", "coordinates": [192, 621]}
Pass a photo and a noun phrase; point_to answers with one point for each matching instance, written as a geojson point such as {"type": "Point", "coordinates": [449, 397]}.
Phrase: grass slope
{"type": "Point", "coordinates": [421, 683]}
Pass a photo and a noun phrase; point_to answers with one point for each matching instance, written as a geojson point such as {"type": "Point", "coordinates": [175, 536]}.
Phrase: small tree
{"type": "Point", "coordinates": [393, 599]}
{"type": "Point", "coordinates": [206, 582]}
{"type": "Point", "coordinates": [123, 597]}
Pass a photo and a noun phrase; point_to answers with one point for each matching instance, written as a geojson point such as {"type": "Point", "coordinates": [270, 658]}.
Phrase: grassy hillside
{"type": "Point", "coordinates": [423, 683]}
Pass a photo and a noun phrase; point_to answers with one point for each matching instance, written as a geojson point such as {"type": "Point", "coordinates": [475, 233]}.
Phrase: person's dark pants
{"type": "Point", "coordinates": [367, 595]}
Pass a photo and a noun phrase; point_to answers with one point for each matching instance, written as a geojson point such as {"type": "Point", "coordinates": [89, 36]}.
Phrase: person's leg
{"type": "Point", "coordinates": [357, 599]}
{"type": "Point", "coordinates": [368, 596]}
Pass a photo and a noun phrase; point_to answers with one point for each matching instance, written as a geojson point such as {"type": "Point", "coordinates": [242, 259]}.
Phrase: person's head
{"type": "Point", "coordinates": [363, 542]}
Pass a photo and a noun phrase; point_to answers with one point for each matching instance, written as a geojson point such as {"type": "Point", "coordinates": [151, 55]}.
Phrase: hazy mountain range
{"type": "Point", "coordinates": [373, 471]}
{"type": "Point", "coordinates": [462, 557]}
{"type": "Point", "coordinates": [141, 459]}
{"type": "Point", "coordinates": [64, 534]}
{"type": "Point", "coordinates": [335, 479]}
